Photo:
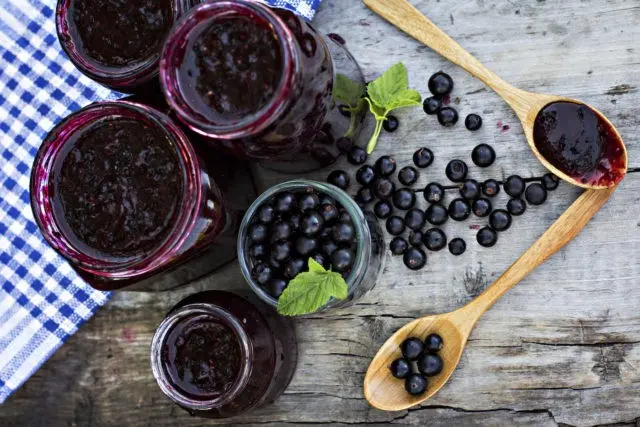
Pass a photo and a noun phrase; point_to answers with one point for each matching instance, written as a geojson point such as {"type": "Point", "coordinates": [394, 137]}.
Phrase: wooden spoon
{"type": "Point", "coordinates": [385, 392]}
{"type": "Point", "coordinates": [527, 105]}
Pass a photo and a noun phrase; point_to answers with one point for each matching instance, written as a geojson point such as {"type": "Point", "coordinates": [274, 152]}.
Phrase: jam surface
{"type": "Point", "coordinates": [231, 69]}
{"type": "Point", "coordinates": [119, 187]}
{"type": "Point", "coordinates": [577, 141]}
{"type": "Point", "coordinates": [119, 33]}
{"type": "Point", "coordinates": [202, 357]}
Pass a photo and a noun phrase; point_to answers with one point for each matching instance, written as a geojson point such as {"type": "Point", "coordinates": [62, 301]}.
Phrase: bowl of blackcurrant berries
{"type": "Point", "coordinates": [302, 219]}
{"type": "Point", "coordinates": [420, 360]}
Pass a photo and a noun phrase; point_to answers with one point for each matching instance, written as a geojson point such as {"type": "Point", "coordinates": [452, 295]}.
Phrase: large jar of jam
{"type": "Point", "coordinates": [258, 83]}
{"type": "Point", "coordinates": [120, 192]}
{"type": "Point", "coordinates": [218, 355]}
{"type": "Point", "coordinates": [114, 42]}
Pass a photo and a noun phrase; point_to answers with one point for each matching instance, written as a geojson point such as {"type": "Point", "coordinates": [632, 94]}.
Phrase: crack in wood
{"type": "Point", "coordinates": [478, 411]}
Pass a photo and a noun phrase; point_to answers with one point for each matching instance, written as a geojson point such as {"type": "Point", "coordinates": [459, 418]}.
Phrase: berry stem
{"type": "Point", "coordinates": [374, 139]}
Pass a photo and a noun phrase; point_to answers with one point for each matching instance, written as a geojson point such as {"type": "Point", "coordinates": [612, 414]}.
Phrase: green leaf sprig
{"type": "Point", "coordinates": [387, 93]}
{"type": "Point", "coordinates": [351, 94]}
{"type": "Point", "coordinates": [312, 290]}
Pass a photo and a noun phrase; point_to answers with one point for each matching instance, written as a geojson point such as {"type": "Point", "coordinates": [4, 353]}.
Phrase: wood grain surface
{"type": "Point", "coordinates": [562, 348]}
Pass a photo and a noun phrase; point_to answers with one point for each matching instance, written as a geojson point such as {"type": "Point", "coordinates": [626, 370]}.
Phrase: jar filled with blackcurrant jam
{"type": "Point", "coordinates": [258, 83]}
{"type": "Point", "coordinates": [302, 219]}
{"type": "Point", "coordinates": [114, 42]}
{"type": "Point", "coordinates": [218, 355]}
{"type": "Point", "coordinates": [120, 192]}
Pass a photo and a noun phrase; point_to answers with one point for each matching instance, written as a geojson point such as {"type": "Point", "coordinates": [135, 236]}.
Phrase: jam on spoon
{"type": "Point", "coordinates": [580, 143]}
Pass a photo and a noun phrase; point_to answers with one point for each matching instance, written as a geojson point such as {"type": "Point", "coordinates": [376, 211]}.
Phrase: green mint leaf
{"type": "Point", "coordinates": [406, 98]}
{"type": "Point", "coordinates": [347, 91]}
{"type": "Point", "coordinates": [312, 290]}
{"type": "Point", "coordinates": [387, 86]}
{"type": "Point", "coordinates": [356, 118]}
{"type": "Point", "coordinates": [380, 113]}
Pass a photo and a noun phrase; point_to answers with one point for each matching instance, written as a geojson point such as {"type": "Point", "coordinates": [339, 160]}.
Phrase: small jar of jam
{"type": "Point", "coordinates": [258, 83]}
{"type": "Point", "coordinates": [321, 222]}
{"type": "Point", "coordinates": [117, 43]}
{"type": "Point", "coordinates": [218, 355]}
{"type": "Point", "coordinates": [120, 192]}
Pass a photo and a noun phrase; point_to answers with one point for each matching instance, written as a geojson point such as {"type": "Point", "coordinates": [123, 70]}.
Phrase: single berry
{"type": "Point", "coordinates": [384, 188]}
{"type": "Point", "coordinates": [285, 202]}
{"type": "Point", "coordinates": [404, 199]}
{"type": "Point", "coordinates": [434, 193]}
{"type": "Point", "coordinates": [415, 238]}
{"type": "Point", "coordinates": [342, 260]}
{"type": "Point", "coordinates": [482, 207]}
{"type": "Point", "coordinates": [550, 182]}
{"type": "Point", "coordinates": [340, 179]}
{"type": "Point", "coordinates": [383, 210]}
{"type": "Point", "coordinates": [329, 213]}
{"type": "Point", "coordinates": [434, 239]}
{"type": "Point", "coordinates": [366, 175]}
{"type": "Point", "coordinates": [357, 156]}
{"type": "Point", "coordinates": [395, 226]}
{"type": "Point", "coordinates": [281, 231]}
{"type": "Point", "coordinates": [280, 251]}
{"type": "Point", "coordinates": [487, 237]}
{"type": "Point", "coordinates": [415, 258]}
{"type": "Point", "coordinates": [431, 105]}
{"type": "Point", "coordinates": [365, 195]}
{"type": "Point", "coordinates": [273, 262]}
{"type": "Point", "coordinates": [258, 233]}
{"type": "Point", "coordinates": [437, 214]}
{"type": "Point", "coordinates": [447, 116]}
{"type": "Point", "coordinates": [344, 216]}
{"type": "Point", "coordinates": [308, 201]}
{"type": "Point", "coordinates": [408, 175]}
{"type": "Point", "coordinates": [457, 171]}
{"type": "Point", "coordinates": [473, 122]}
{"type": "Point", "coordinates": [483, 155]}
{"type": "Point", "coordinates": [326, 200]}
{"type": "Point", "coordinates": [277, 287]}
{"type": "Point", "coordinates": [459, 210]}
{"type": "Point", "coordinates": [433, 343]}
{"type": "Point", "coordinates": [457, 246]}
{"type": "Point", "coordinates": [306, 246]}
{"type": "Point", "coordinates": [400, 368]}
{"type": "Point", "coordinates": [500, 220]}
{"type": "Point", "coordinates": [293, 267]}
{"type": "Point", "coordinates": [491, 188]}
{"type": "Point", "coordinates": [516, 207]}
{"type": "Point", "coordinates": [258, 251]}
{"type": "Point", "coordinates": [470, 189]}
{"type": "Point", "coordinates": [262, 273]}
{"type": "Point", "coordinates": [411, 348]}
{"type": "Point", "coordinates": [311, 223]}
{"type": "Point", "coordinates": [440, 84]}
{"type": "Point", "coordinates": [423, 158]}
{"type": "Point", "coordinates": [415, 384]}
{"type": "Point", "coordinates": [385, 166]}
{"type": "Point", "coordinates": [398, 246]}
{"type": "Point", "coordinates": [295, 220]}
{"type": "Point", "coordinates": [344, 145]}
{"type": "Point", "coordinates": [514, 186]}
{"type": "Point", "coordinates": [414, 219]}
{"type": "Point", "coordinates": [266, 214]}
{"type": "Point", "coordinates": [536, 194]}
{"type": "Point", "coordinates": [430, 364]}
{"type": "Point", "coordinates": [391, 123]}
{"type": "Point", "coordinates": [343, 233]}
{"type": "Point", "coordinates": [328, 247]}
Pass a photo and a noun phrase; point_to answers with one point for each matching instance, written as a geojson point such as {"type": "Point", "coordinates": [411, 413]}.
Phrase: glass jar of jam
{"type": "Point", "coordinates": [258, 83]}
{"type": "Point", "coordinates": [117, 43]}
{"type": "Point", "coordinates": [120, 192]}
{"type": "Point", "coordinates": [365, 249]}
{"type": "Point", "coordinates": [218, 355]}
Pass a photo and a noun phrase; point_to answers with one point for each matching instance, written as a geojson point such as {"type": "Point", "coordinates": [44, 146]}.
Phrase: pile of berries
{"type": "Point", "coordinates": [420, 360]}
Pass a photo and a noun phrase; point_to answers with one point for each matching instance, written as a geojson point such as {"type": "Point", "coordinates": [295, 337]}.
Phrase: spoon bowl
{"type": "Point", "coordinates": [527, 105]}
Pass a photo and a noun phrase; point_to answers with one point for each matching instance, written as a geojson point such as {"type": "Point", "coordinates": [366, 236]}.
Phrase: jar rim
{"type": "Point", "coordinates": [42, 196]}
{"type": "Point", "coordinates": [363, 233]}
{"type": "Point", "coordinates": [226, 318]}
{"type": "Point", "coordinates": [202, 15]}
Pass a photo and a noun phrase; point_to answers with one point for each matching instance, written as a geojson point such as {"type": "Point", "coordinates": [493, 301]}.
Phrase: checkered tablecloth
{"type": "Point", "coordinates": [42, 301]}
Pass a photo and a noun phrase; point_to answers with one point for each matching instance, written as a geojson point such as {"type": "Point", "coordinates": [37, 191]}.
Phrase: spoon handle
{"type": "Point", "coordinates": [410, 20]}
{"type": "Point", "coordinates": [569, 225]}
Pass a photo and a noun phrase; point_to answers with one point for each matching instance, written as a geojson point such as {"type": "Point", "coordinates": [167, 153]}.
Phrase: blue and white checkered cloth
{"type": "Point", "coordinates": [42, 300]}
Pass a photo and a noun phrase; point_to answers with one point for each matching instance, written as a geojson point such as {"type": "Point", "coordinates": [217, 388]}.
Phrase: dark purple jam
{"type": "Point", "coordinates": [231, 69]}
{"type": "Point", "coordinates": [119, 186]}
{"type": "Point", "coordinates": [577, 141]}
{"type": "Point", "coordinates": [119, 33]}
{"type": "Point", "coordinates": [202, 358]}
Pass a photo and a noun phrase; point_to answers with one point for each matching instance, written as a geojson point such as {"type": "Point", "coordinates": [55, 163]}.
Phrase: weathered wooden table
{"type": "Point", "coordinates": [562, 348]}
